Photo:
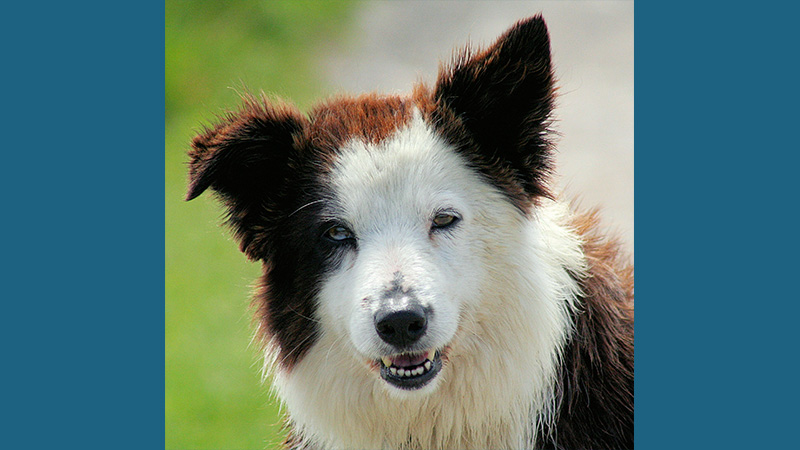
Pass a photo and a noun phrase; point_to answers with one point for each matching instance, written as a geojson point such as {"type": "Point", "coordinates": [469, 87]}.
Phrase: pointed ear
{"type": "Point", "coordinates": [243, 158]}
{"type": "Point", "coordinates": [503, 97]}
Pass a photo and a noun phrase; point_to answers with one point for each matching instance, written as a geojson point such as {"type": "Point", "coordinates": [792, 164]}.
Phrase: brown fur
{"type": "Point", "coordinates": [596, 409]}
{"type": "Point", "coordinates": [370, 118]}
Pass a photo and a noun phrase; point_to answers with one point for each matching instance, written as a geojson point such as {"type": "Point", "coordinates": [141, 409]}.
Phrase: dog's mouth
{"type": "Point", "coordinates": [411, 370]}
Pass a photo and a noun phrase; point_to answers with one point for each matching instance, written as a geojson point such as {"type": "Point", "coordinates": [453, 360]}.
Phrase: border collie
{"type": "Point", "coordinates": [423, 286]}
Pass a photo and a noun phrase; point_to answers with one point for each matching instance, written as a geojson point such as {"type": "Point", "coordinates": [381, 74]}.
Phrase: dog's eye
{"type": "Point", "coordinates": [444, 220]}
{"type": "Point", "coordinates": [338, 233]}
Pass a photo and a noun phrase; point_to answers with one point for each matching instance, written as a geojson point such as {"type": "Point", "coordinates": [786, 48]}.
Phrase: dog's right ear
{"type": "Point", "coordinates": [243, 152]}
{"type": "Point", "coordinates": [243, 158]}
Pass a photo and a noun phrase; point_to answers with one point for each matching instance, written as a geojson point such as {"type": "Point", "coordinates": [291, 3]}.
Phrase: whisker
{"type": "Point", "coordinates": [304, 316]}
{"type": "Point", "coordinates": [330, 347]}
{"type": "Point", "coordinates": [305, 206]}
{"type": "Point", "coordinates": [299, 344]}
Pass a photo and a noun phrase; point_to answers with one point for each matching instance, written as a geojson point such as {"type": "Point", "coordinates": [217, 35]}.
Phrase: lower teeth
{"type": "Point", "coordinates": [419, 370]}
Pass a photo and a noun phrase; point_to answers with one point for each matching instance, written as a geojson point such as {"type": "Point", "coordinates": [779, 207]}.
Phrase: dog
{"type": "Point", "coordinates": [423, 286]}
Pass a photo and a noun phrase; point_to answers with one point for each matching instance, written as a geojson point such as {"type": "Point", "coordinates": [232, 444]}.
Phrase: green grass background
{"type": "Point", "coordinates": [214, 51]}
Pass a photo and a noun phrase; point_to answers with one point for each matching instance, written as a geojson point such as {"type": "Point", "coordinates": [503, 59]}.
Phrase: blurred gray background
{"type": "Point", "coordinates": [395, 44]}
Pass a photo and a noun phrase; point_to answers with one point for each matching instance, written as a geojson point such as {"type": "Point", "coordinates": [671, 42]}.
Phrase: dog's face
{"type": "Point", "coordinates": [407, 222]}
{"type": "Point", "coordinates": [377, 218]}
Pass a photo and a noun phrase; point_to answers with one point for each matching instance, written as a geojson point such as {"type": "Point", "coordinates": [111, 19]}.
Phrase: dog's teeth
{"type": "Point", "coordinates": [410, 372]}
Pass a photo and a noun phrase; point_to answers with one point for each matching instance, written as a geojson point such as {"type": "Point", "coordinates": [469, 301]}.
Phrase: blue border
{"type": "Point", "coordinates": [83, 160]}
{"type": "Point", "coordinates": [83, 184]}
{"type": "Point", "coordinates": [716, 95]}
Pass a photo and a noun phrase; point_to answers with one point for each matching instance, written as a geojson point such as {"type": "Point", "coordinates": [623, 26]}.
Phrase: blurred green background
{"type": "Point", "coordinates": [214, 51]}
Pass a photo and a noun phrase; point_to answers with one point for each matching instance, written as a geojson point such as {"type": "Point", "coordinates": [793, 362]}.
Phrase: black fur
{"type": "Point", "coordinates": [269, 182]}
{"type": "Point", "coordinates": [495, 108]}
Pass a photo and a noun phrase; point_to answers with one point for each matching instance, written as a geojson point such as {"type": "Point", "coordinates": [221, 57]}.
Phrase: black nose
{"type": "Point", "coordinates": [401, 327]}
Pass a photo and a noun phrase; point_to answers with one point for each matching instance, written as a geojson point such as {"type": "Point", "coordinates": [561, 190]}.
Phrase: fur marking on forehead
{"type": "Point", "coordinates": [370, 118]}
{"type": "Point", "coordinates": [411, 147]}
{"type": "Point", "coordinates": [413, 171]}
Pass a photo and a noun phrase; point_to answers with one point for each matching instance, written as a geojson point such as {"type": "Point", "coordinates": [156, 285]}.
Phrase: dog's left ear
{"type": "Point", "coordinates": [503, 96]}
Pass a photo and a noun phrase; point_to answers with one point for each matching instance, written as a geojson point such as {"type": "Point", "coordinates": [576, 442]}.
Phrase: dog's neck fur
{"type": "Point", "coordinates": [511, 344]}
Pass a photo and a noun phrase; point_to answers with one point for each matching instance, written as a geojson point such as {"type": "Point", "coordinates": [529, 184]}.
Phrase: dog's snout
{"type": "Point", "coordinates": [402, 327]}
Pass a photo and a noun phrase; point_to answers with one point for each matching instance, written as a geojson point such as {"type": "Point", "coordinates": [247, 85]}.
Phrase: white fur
{"type": "Point", "coordinates": [499, 284]}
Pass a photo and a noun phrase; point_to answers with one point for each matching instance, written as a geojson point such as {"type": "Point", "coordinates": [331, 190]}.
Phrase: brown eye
{"type": "Point", "coordinates": [338, 233]}
{"type": "Point", "coordinates": [444, 220]}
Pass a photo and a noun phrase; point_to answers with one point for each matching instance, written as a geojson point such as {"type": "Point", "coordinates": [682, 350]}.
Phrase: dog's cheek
{"type": "Point", "coordinates": [460, 267]}
{"type": "Point", "coordinates": [341, 314]}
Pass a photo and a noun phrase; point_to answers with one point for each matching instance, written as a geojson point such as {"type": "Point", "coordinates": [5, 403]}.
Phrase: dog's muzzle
{"type": "Point", "coordinates": [402, 328]}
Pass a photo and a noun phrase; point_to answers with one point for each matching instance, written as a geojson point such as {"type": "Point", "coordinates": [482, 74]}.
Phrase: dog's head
{"type": "Point", "coordinates": [378, 219]}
